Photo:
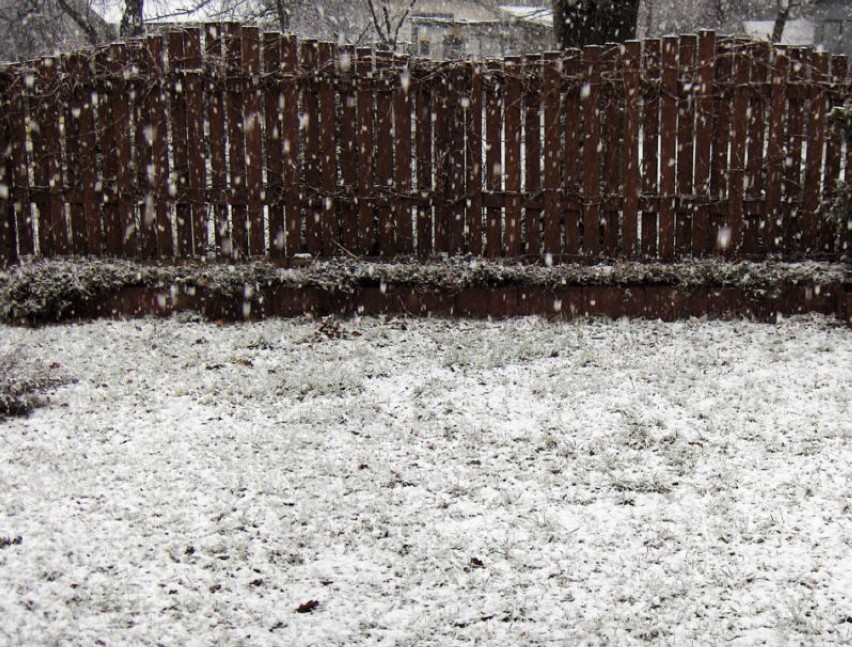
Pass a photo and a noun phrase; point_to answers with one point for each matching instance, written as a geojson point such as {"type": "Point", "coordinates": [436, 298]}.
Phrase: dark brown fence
{"type": "Point", "coordinates": [225, 139]}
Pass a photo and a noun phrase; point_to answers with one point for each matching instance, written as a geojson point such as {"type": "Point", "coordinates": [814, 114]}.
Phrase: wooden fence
{"type": "Point", "coordinates": [249, 144]}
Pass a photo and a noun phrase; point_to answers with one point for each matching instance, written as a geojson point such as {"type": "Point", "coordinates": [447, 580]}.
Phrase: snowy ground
{"type": "Point", "coordinates": [431, 482]}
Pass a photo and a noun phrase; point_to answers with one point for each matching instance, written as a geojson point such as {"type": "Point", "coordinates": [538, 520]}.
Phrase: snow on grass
{"type": "Point", "coordinates": [431, 482]}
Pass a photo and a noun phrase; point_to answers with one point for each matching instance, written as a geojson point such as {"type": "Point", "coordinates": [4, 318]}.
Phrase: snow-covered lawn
{"type": "Point", "coordinates": [434, 482]}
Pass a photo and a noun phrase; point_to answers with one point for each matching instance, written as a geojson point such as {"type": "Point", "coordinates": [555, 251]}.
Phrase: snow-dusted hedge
{"type": "Point", "coordinates": [23, 382]}
{"type": "Point", "coordinates": [50, 289]}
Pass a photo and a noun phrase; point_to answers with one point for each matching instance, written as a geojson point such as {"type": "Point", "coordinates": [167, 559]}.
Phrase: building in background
{"type": "Point", "coordinates": [459, 29]}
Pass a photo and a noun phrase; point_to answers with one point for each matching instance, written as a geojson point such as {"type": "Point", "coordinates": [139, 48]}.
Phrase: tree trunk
{"type": "Point", "coordinates": [131, 21]}
{"type": "Point", "coordinates": [780, 22]}
{"type": "Point", "coordinates": [577, 23]}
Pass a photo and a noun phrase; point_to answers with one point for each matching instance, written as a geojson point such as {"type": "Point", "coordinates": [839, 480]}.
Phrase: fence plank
{"type": "Point", "coordinates": [365, 151]}
{"type": "Point", "coordinates": [252, 123]}
{"type": "Point", "coordinates": [572, 69]}
{"type": "Point", "coordinates": [180, 150]}
{"type": "Point", "coordinates": [384, 152]}
{"type": "Point", "coordinates": [442, 150]}
{"type": "Point", "coordinates": [348, 147]}
{"type": "Point", "coordinates": [193, 89]}
{"type": "Point", "coordinates": [668, 147]}
{"type": "Point", "coordinates": [216, 118]}
{"type": "Point", "coordinates": [142, 156]}
{"type": "Point", "coordinates": [552, 152]}
{"type": "Point", "coordinates": [473, 122]}
{"type": "Point", "coordinates": [88, 142]}
{"type": "Point", "coordinates": [290, 143]}
{"type": "Point", "coordinates": [650, 142]}
{"type": "Point", "coordinates": [754, 225]}
{"type": "Point", "coordinates": [105, 88]}
{"type": "Point", "coordinates": [685, 215]}
{"type": "Point", "coordinates": [775, 154]}
{"type": "Point", "coordinates": [815, 140]}
{"type": "Point", "coordinates": [52, 210]}
{"type": "Point", "coordinates": [74, 156]}
{"type": "Point", "coordinates": [273, 103]}
{"type": "Point", "coordinates": [631, 90]}
{"type": "Point", "coordinates": [742, 73]}
{"type": "Point", "coordinates": [459, 88]}
{"type": "Point", "coordinates": [511, 167]}
{"type": "Point", "coordinates": [402, 155]}
{"type": "Point", "coordinates": [719, 171]}
{"type": "Point", "coordinates": [833, 150]}
{"type": "Point", "coordinates": [159, 146]}
{"type": "Point", "coordinates": [532, 152]}
{"type": "Point", "coordinates": [494, 157]}
{"type": "Point", "coordinates": [703, 143]}
{"type": "Point", "coordinates": [793, 158]}
{"type": "Point", "coordinates": [8, 235]}
{"type": "Point", "coordinates": [590, 96]}
{"type": "Point", "coordinates": [423, 97]}
{"type": "Point", "coordinates": [235, 93]}
{"type": "Point", "coordinates": [329, 230]}
{"type": "Point", "coordinates": [20, 165]}
{"type": "Point", "coordinates": [612, 98]}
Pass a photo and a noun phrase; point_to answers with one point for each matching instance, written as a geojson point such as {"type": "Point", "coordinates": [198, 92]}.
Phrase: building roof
{"type": "Point", "coordinates": [537, 15]}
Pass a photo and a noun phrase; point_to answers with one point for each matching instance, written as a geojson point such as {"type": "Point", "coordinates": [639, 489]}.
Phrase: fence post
{"type": "Point", "coordinates": [631, 148]}
{"type": "Point", "coordinates": [590, 96]}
